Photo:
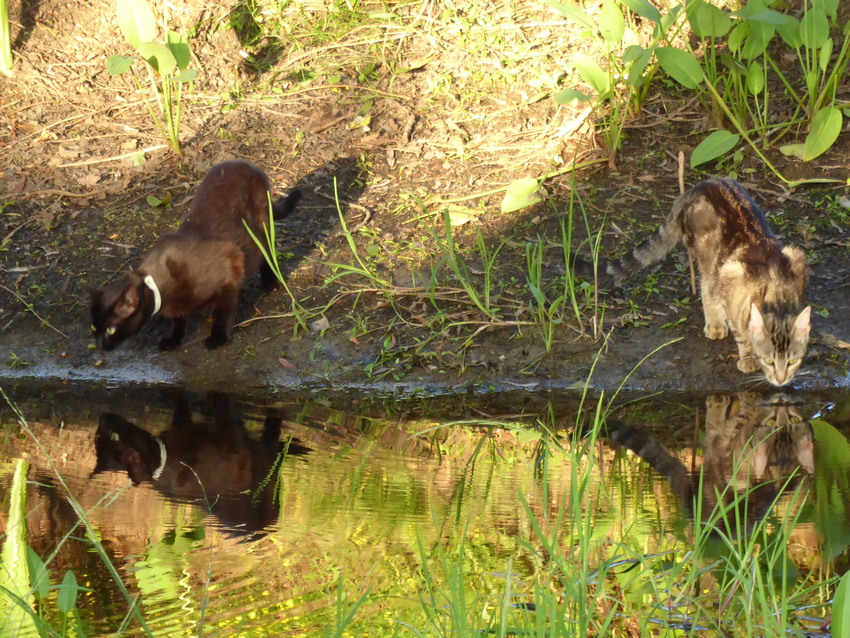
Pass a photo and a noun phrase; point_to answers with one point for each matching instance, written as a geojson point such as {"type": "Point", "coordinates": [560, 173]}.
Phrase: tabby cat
{"type": "Point", "coordinates": [748, 282]}
{"type": "Point", "coordinates": [203, 263]}
{"type": "Point", "coordinates": [756, 447]}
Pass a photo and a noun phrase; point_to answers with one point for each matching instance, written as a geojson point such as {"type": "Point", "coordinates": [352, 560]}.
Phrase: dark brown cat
{"type": "Point", "coordinates": [213, 460]}
{"type": "Point", "coordinates": [749, 283]}
{"type": "Point", "coordinates": [203, 263]}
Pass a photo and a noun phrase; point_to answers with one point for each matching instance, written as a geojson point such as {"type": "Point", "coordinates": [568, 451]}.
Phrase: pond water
{"type": "Point", "coordinates": [271, 514]}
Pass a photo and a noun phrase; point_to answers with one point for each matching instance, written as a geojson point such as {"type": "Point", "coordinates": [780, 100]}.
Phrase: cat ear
{"type": "Point", "coordinates": [803, 322]}
{"type": "Point", "coordinates": [94, 293]}
{"type": "Point", "coordinates": [128, 301]}
{"type": "Point", "coordinates": [756, 322]}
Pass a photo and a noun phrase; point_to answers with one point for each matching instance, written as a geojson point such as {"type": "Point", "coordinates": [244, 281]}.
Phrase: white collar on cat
{"type": "Point", "coordinates": [157, 298]}
{"type": "Point", "coordinates": [163, 457]}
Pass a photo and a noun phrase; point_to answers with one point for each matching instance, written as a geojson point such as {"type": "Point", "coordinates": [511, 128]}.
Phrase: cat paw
{"type": "Point", "coordinates": [168, 343]}
{"type": "Point", "coordinates": [717, 402]}
{"type": "Point", "coordinates": [748, 364]}
{"type": "Point", "coordinates": [214, 342]}
{"type": "Point", "coordinates": [716, 331]}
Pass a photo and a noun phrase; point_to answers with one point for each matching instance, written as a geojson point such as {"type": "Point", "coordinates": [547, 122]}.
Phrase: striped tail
{"type": "Point", "coordinates": [652, 250]}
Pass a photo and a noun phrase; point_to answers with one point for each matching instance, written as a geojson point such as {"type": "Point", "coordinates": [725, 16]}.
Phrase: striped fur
{"type": "Point", "coordinates": [749, 283]}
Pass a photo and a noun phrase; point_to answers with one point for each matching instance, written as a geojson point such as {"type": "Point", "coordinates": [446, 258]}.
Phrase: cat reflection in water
{"type": "Point", "coordinates": [755, 447]}
{"type": "Point", "coordinates": [213, 463]}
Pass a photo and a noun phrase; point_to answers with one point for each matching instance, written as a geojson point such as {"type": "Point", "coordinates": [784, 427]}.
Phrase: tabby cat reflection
{"type": "Point", "coordinates": [202, 264]}
{"type": "Point", "coordinates": [748, 282]}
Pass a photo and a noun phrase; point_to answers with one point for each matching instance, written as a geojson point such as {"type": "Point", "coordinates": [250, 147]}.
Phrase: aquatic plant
{"type": "Point", "coordinates": [167, 65]}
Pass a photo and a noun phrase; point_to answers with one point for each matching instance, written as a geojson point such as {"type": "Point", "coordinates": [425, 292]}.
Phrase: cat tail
{"type": "Point", "coordinates": [285, 205]}
{"type": "Point", "coordinates": [652, 250]}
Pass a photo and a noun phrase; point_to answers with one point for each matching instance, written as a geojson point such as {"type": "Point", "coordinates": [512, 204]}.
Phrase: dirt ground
{"type": "Point", "coordinates": [443, 121]}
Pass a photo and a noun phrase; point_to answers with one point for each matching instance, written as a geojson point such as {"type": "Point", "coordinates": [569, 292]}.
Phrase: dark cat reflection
{"type": "Point", "coordinates": [754, 446]}
{"type": "Point", "coordinates": [214, 464]}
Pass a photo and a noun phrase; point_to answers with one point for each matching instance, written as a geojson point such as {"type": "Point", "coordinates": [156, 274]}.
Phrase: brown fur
{"type": "Point", "coordinates": [204, 263]}
{"type": "Point", "coordinates": [748, 282]}
{"type": "Point", "coordinates": [214, 461]}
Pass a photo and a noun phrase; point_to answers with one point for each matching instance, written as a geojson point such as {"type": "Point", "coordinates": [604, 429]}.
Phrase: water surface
{"type": "Point", "coordinates": [252, 515]}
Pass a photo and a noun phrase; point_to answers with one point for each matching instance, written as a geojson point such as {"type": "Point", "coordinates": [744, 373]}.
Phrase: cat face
{"type": "Point", "coordinates": [116, 314]}
{"type": "Point", "coordinates": [779, 343]}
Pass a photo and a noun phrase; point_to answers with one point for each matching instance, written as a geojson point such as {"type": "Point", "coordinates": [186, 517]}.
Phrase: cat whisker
{"type": "Point", "coordinates": [756, 380]}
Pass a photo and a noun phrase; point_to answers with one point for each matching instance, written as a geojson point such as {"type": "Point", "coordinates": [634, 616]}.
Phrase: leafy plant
{"type": "Point", "coordinates": [167, 65]}
{"type": "Point", "coordinates": [737, 83]}
{"type": "Point", "coordinates": [268, 248]}
{"type": "Point", "coordinates": [618, 87]}
{"type": "Point", "coordinates": [456, 264]}
{"type": "Point", "coordinates": [547, 314]}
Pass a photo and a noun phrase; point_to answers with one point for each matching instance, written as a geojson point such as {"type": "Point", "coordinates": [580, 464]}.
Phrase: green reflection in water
{"type": "Point", "coordinates": [15, 592]}
{"type": "Point", "coordinates": [480, 526]}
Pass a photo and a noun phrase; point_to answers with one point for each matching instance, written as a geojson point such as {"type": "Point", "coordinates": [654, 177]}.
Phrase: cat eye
{"type": "Point", "coordinates": [93, 328]}
{"type": "Point", "coordinates": [111, 330]}
{"type": "Point", "coordinates": [793, 362]}
{"type": "Point", "coordinates": [769, 362]}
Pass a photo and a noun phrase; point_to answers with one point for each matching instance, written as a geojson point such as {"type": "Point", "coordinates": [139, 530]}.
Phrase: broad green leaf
{"type": "Point", "coordinates": [757, 40]}
{"type": "Point", "coordinates": [635, 73]}
{"type": "Point", "coordinates": [184, 76]}
{"type": "Point", "coordinates": [573, 13]}
{"type": "Point", "coordinates": [155, 201]}
{"type": "Point", "coordinates": [789, 31]}
{"type": "Point", "coordinates": [158, 56]}
{"type": "Point", "coordinates": [733, 64]}
{"type": "Point", "coordinates": [736, 39]}
{"type": "Point", "coordinates": [715, 145]}
{"type": "Point", "coordinates": [39, 576]}
{"type": "Point", "coordinates": [840, 623]}
{"type": "Point", "coordinates": [811, 79]}
{"type": "Point", "coordinates": [825, 55]}
{"type": "Point", "coordinates": [179, 47]}
{"type": "Point", "coordinates": [826, 126]}
{"type": "Point", "coordinates": [831, 446]}
{"type": "Point", "coordinates": [680, 65]}
{"type": "Point", "coordinates": [667, 20]}
{"type": "Point", "coordinates": [67, 600]}
{"type": "Point", "coordinates": [755, 79]}
{"type": "Point", "coordinates": [814, 28]}
{"type": "Point", "coordinates": [644, 9]}
{"type": "Point", "coordinates": [539, 297]}
{"type": "Point", "coordinates": [520, 194]}
{"type": "Point", "coordinates": [708, 21]}
{"type": "Point", "coordinates": [792, 150]}
{"type": "Point", "coordinates": [633, 52]}
{"type": "Point", "coordinates": [569, 96]}
{"type": "Point", "coordinates": [117, 64]}
{"type": "Point", "coordinates": [769, 17]}
{"type": "Point", "coordinates": [591, 73]}
{"type": "Point", "coordinates": [830, 8]}
{"type": "Point", "coordinates": [15, 578]}
{"type": "Point", "coordinates": [751, 8]}
{"type": "Point", "coordinates": [612, 25]}
{"type": "Point", "coordinates": [460, 215]}
{"type": "Point", "coordinates": [136, 21]}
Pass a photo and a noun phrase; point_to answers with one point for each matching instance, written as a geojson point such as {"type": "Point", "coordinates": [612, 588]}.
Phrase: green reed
{"type": "Point", "coordinates": [32, 583]}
